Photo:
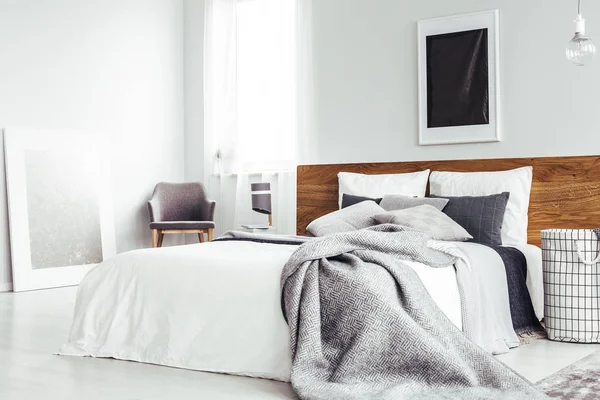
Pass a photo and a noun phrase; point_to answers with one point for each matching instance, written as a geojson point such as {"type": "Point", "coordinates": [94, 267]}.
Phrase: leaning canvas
{"type": "Point", "coordinates": [459, 92]}
{"type": "Point", "coordinates": [60, 208]}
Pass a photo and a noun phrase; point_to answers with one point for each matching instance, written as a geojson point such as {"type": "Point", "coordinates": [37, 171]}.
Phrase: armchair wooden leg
{"type": "Point", "coordinates": [201, 237]}
{"type": "Point", "coordinates": [154, 237]}
{"type": "Point", "coordinates": [161, 236]}
{"type": "Point", "coordinates": [210, 234]}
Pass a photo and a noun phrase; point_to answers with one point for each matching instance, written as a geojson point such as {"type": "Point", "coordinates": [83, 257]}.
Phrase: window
{"type": "Point", "coordinates": [266, 84]}
{"type": "Point", "coordinates": [251, 87]}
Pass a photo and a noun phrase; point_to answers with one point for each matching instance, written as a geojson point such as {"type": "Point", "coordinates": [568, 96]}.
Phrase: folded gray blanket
{"type": "Point", "coordinates": [363, 326]}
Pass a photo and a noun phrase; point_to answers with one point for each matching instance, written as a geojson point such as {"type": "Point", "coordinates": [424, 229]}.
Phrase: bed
{"type": "Point", "coordinates": [122, 313]}
{"type": "Point", "coordinates": [121, 310]}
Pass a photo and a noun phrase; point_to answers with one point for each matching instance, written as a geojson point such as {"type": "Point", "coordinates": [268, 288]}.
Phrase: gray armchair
{"type": "Point", "coordinates": [180, 208]}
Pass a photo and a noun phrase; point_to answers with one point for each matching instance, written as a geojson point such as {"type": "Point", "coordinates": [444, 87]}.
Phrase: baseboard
{"type": "Point", "coordinates": [6, 287]}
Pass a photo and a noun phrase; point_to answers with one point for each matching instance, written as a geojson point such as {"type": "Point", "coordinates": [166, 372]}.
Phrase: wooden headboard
{"type": "Point", "coordinates": [565, 191]}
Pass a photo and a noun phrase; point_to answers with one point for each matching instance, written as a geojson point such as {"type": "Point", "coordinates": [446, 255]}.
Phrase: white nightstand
{"type": "Point", "coordinates": [266, 230]}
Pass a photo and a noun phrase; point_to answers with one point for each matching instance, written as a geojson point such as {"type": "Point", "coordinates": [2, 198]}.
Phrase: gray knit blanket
{"type": "Point", "coordinates": [363, 326]}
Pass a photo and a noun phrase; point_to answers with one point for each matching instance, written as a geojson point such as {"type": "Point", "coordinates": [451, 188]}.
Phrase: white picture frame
{"type": "Point", "coordinates": [28, 237]}
{"type": "Point", "coordinates": [490, 132]}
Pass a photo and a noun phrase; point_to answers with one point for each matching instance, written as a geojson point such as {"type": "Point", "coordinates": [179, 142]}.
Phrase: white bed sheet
{"type": "Point", "coordinates": [210, 307]}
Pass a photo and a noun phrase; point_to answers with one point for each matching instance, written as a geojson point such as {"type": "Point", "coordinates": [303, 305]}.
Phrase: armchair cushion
{"type": "Point", "coordinates": [182, 225]}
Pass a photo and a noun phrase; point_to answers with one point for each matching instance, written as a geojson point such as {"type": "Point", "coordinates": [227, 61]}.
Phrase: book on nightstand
{"type": "Point", "coordinates": [259, 229]}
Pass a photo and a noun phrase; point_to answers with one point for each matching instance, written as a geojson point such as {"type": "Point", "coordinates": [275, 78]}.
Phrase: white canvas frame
{"type": "Point", "coordinates": [16, 142]}
{"type": "Point", "coordinates": [461, 134]}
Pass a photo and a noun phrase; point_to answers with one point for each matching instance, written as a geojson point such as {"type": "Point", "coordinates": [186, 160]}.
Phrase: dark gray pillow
{"type": "Point", "coordinates": [393, 202]}
{"type": "Point", "coordinates": [350, 200]}
{"type": "Point", "coordinates": [481, 216]}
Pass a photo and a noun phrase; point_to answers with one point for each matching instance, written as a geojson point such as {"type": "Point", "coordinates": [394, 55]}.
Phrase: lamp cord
{"type": "Point", "coordinates": [578, 7]}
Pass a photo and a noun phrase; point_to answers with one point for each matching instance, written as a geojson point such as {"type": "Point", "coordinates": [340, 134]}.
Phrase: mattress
{"type": "Point", "coordinates": [210, 307]}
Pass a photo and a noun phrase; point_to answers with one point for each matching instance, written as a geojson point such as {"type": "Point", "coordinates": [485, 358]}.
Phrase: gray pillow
{"type": "Point", "coordinates": [353, 218]}
{"type": "Point", "coordinates": [397, 202]}
{"type": "Point", "coordinates": [426, 219]}
{"type": "Point", "coordinates": [481, 216]}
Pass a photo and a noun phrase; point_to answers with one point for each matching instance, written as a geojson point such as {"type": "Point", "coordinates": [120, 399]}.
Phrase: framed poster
{"type": "Point", "coordinates": [59, 206]}
{"type": "Point", "coordinates": [459, 83]}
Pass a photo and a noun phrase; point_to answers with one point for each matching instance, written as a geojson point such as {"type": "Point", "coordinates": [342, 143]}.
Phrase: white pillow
{"type": "Point", "coordinates": [517, 182]}
{"type": "Point", "coordinates": [376, 186]}
{"type": "Point", "coordinates": [427, 219]}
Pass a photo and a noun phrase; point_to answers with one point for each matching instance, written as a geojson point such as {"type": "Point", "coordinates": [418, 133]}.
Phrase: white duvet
{"type": "Point", "coordinates": [216, 307]}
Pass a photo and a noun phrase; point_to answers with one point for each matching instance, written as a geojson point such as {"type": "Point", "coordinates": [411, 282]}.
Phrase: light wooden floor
{"type": "Point", "coordinates": [34, 325]}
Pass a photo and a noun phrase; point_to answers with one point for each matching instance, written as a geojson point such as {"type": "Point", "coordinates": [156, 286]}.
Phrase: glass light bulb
{"type": "Point", "coordinates": [581, 50]}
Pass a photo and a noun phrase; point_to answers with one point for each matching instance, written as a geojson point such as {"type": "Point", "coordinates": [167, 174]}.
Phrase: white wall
{"type": "Point", "coordinates": [194, 89]}
{"type": "Point", "coordinates": [365, 71]}
{"type": "Point", "coordinates": [193, 42]}
{"type": "Point", "coordinates": [365, 67]}
{"type": "Point", "coordinates": [112, 66]}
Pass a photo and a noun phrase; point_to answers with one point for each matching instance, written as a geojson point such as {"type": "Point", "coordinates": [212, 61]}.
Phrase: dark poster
{"type": "Point", "coordinates": [458, 79]}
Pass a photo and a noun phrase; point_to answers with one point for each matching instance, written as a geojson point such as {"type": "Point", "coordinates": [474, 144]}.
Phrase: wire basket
{"type": "Point", "coordinates": [571, 269]}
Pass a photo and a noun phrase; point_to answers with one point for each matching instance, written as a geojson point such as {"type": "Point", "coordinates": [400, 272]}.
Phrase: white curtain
{"type": "Point", "coordinates": [256, 105]}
